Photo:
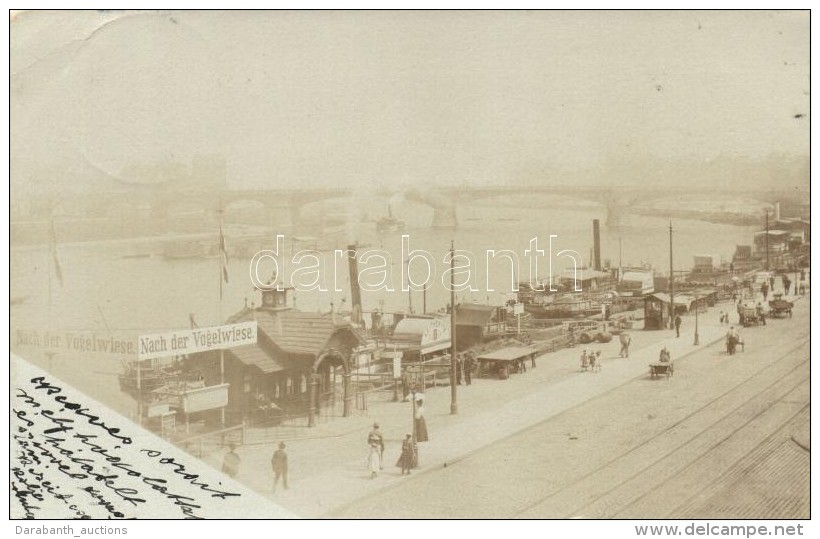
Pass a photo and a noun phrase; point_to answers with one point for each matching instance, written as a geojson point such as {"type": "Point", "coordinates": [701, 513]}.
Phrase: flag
{"type": "Point", "coordinates": [54, 255]}
{"type": "Point", "coordinates": [223, 254]}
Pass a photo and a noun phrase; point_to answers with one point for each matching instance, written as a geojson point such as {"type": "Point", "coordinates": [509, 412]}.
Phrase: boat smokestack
{"type": "Point", "coordinates": [355, 290]}
{"type": "Point", "coordinates": [777, 211]}
{"type": "Point", "coordinates": [596, 252]}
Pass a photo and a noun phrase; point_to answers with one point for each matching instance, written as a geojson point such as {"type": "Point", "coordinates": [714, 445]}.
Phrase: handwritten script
{"type": "Point", "coordinates": [73, 458]}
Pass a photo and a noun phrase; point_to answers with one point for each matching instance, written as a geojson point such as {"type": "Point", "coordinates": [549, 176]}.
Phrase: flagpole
{"type": "Point", "coordinates": [52, 254]}
{"type": "Point", "coordinates": [51, 251]}
{"type": "Point", "coordinates": [222, 260]}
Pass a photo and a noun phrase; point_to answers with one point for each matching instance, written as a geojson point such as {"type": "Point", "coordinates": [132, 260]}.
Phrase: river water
{"type": "Point", "coordinates": [107, 294]}
{"type": "Point", "coordinates": [104, 290]}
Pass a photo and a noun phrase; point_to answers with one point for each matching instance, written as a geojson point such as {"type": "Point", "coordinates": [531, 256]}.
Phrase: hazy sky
{"type": "Point", "coordinates": [337, 98]}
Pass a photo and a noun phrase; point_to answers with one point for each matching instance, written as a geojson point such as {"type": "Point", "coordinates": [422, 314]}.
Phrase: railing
{"type": "Point", "coordinates": [210, 442]}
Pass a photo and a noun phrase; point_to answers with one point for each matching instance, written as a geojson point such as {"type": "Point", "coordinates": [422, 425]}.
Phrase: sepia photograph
{"type": "Point", "coordinates": [410, 264]}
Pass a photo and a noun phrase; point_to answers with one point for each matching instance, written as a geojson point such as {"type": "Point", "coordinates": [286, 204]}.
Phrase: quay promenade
{"type": "Point", "coordinates": [328, 462]}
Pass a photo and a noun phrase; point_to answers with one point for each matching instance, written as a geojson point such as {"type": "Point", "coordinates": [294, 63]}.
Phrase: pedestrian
{"type": "Point", "coordinates": [230, 464]}
{"type": "Point", "coordinates": [405, 385]}
{"type": "Point", "coordinates": [802, 289]}
{"type": "Point", "coordinates": [732, 338]}
{"type": "Point", "coordinates": [459, 369]}
{"type": "Point", "coordinates": [409, 455]}
{"type": "Point", "coordinates": [593, 361]}
{"type": "Point", "coordinates": [626, 340]}
{"type": "Point", "coordinates": [584, 360]}
{"type": "Point", "coordinates": [787, 284]}
{"type": "Point", "coordinates": [771, 282]}
{"type": "Point", "coordinates": [279, 463]}
{"type": "Point", "coordinates": [721, 317]}
{"type": "Point", "coordinates": [421, 423]}
{"type": "Point", "coordinates": [764, 289]}
{"type": "Point", "coordinates": [374, 460]}
{"type": "Point", "coordinates": [375, 437]}
{"type": "Point", "coordinates": [469, 365]}
{"type": "Point", "coordinates": [678, 322]}
{"type": "Point", "coordinates": [760, 313]}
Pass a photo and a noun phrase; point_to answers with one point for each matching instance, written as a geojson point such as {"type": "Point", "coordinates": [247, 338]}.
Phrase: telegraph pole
{"type": "Point", "coordinates": [697, 308]}
{"type": "Point", "coordinates": [424, 299]}
{"type": "Point", "coordinates": [453, 362]}
{"type": "Point", "coordinates": [671, 281]}
{"type": "Point", "coordinates": [409, 290]}
{"type": "Point", "coordinates": [767, 239]}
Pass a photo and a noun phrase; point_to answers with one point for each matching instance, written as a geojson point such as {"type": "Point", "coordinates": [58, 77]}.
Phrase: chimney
{"type": "Point", "coordinates": [777, 211]}
{"type": "Point", "coordinates": [596, 236]}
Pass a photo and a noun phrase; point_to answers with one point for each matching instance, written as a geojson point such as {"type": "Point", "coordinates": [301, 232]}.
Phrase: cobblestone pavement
{"type": "Point", "coordinates": [327, 463]}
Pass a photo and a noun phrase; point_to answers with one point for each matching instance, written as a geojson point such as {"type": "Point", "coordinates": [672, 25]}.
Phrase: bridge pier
{"type": "Point", "coordinates": [281, 217]}
{"type": "Point", "coordinates": [445, 216]}
{"type": "Point", "coordinates": [444, 207]}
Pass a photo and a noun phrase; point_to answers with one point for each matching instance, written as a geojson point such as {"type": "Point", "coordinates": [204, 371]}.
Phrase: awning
{"type": "Point", "coordinates": [256, 356]}
{"type": "Point", "coordinates": [435, 346]}
{"type": "Point", "coordinates": [429, 334]}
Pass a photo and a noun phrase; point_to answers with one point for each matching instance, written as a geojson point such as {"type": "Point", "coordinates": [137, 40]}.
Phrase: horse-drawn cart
{"type": "Point", "coordinates": [749, 314]}
{"type": "Point", "coordinates": [779, 306]}
{"type": "Point", "coordinates": [661, 369]}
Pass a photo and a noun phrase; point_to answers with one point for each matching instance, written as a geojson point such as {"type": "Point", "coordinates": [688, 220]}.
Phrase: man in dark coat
{"type": "Point", "coordinates": [279, 463]}
{"type": "Point", "coordinates": [469, 365]}
{"type": "Point", "coordinates": [678, 322]}
{"type": "Point", "coordinates": [459, 369]}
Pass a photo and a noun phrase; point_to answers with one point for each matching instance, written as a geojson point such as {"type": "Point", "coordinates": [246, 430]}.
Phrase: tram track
{"type": "Point", "coordinates": [609, 455]}
{"type": "Point", "coordinates": [603, 491]}
{"type": "Point", "coordinates": [690, 475]}
{"type": "Point", "coordinates": [779, 451]}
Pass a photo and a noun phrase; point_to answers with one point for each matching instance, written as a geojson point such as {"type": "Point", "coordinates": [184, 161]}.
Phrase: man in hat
{"type": "Point", "coordinates": [375, 437]}
{"type": "Point", "coordinates": [279, 463]}
{"type": "Point", "coordinates": [469, 365]}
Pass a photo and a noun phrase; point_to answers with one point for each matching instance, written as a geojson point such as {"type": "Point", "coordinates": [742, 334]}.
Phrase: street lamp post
{"type": "Point", "coordinates": [697, 308]}
{"type": "Point", "coordinates": [767, 239]}
{"type": "Point", "coordinates": [453, 361]}
{"type": "Point", "coordinates": [671, 282]}
{"type": "Point", "coordinates": [413, 419]}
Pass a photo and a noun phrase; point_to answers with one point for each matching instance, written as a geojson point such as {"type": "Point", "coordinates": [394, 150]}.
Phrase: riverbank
{"type": "Point", "coordinates": [328, 462]}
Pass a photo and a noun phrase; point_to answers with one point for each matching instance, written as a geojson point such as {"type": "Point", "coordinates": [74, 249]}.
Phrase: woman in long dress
{"type": "Point", "coordinates": [374, 460]}
{"type": "Point", "coordinates": [409, 455]}
{"type": "Point", "coordinates": [421, 424]}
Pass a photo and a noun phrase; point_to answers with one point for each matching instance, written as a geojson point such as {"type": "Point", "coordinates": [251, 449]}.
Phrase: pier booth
{"type": "Point", "coordinates": [656, 311]}
{"type": "Point", "coordinates": [478, 323]}
{"type": "Point", "coordinates": [300, 364]}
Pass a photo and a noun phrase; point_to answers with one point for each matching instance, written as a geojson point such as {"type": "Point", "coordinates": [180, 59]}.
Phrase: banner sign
{"type": "Point", "coordinates": [189, 341]}
{"type": "Point", "coordinates": [205, 398]}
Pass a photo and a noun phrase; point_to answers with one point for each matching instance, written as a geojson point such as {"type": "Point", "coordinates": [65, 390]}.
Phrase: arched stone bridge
{"type": "Point", "coordinates": [285, 205]}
